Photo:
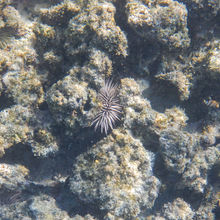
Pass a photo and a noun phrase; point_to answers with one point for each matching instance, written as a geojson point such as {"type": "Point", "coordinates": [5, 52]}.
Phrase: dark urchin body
{"type": "Point", "coordinates": [110, 110]}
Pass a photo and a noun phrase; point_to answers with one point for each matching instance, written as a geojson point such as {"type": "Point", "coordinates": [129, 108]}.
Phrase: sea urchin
{"type": "Point", "coordinates": [110, 110]}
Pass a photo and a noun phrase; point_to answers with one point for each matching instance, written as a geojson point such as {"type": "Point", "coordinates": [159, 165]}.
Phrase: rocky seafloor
{"type": "Point", "coordinates": [161, 161]}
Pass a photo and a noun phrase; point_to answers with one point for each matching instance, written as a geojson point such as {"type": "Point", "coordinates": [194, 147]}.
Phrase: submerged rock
{"type": "Point", "coordinates": [40, 206]}
{"type": "Point", "coordinates": [55, 56]}
{"type": "Point", "coordinates": [116, 174]}
{"type": "Point", "coordinates": [12, 177]}
{"type": "Point", "coordinates": [165, 21]}
{"type": "Point", "coordinates": [183, 154]}
{"type": "Point", "coordinates": [23, 125]}
{"type": "Point", "coordinates": [95, 27]}
{"type": "Point", "coordinates": [178, 209]}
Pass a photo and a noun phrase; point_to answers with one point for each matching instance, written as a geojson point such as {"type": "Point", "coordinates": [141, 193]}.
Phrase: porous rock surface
{"type": "Point", "coordinates": [162, 160]}
{"type": "Point", "coordinates": [116, 173]}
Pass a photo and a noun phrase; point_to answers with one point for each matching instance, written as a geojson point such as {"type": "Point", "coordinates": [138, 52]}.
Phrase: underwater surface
{"type": "Point", "coordinates": [110, 109]}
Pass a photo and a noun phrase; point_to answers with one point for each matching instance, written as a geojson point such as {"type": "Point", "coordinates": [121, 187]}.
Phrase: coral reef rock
{"type": "Point", "coordinates": [165, 21]}
{"type": "Point", "coordinates": [116, 173]}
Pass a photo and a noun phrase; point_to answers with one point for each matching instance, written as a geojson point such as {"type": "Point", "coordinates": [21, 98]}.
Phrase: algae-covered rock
{"type": "Point", "coordinates": [14, 126]}
{"type": "Point", "coordinates": [165, 21]}
{"type": "Point", "coordinates": [12, 18]}
{"type": "Point", "coordinates": [22, 125]}
{"type": "Point", "coordinates": [67, 100]}
{"type": "Point", "coordinates": [55, 55]}
{"type": "Point", "coordinates": [12, 177]}
{"type": "Point", "coordinates": [183, 154]}
{"type": "Point", "coordinates": [179, 80]}
{"type": "Point", "coordinates": [196, 174]}
{"type": "Point", "coordinates": [72, 100]}
{"type": "Point", "coordinates": [95, 26]}
{"type": "Point", "coordinates": [178, 209]}
{"type": "Point", "coordinates": [45, 207]}
{"type": "Point", "coordinates": [24, 87]}
{"type": "Point", "coordinates": [142, 120]}
{"type": "Point", "coordinates": [45, 34]}
{"type": "Point", "coordinates": [177, 74]}
{"type": "Point", "coordinates": [43, 143]}
{"type": "Point", "coordinates": [116, 174]}
{"type": "Point", "coordinates": [205, 9]}
{"type": "Point", "coordinates": [11, 24]}
{"type": "Point", "coordinates": [214, 60]}
{"type": "Point", "coordinates": [176, 146]}
{"type": "Point", "coordinates": [40, 206]}
{"type": "Point", "coordinates": [19, 76]}
{"type": "Point", "coordinates": [59, 14]}
{"type": "Point", "coordinates": [206, 61]}
{"type": "Point", "coordinates": [208, 205]}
